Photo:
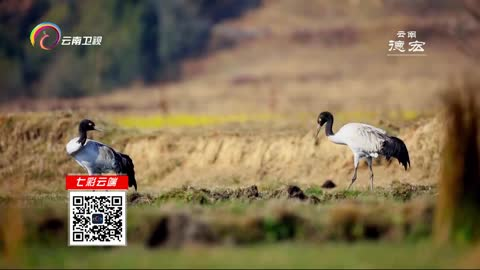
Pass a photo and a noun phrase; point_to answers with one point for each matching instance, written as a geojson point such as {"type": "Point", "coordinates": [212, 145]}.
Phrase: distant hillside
{"type": "Point", "coordinates": [303, 56]}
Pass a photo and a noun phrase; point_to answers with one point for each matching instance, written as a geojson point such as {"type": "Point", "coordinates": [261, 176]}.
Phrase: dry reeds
{"type": "Point", "coordinates": [457, 217]}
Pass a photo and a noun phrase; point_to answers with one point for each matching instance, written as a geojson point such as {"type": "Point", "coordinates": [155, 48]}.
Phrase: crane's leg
{"type": "Point", "coordinates": [369, 161]}
{"type": "Point", "coordinates": [356, 160]}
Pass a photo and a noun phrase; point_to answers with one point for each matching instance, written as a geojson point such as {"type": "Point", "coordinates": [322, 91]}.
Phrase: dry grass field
{"type": "Point", "coordinates": [227, 155]}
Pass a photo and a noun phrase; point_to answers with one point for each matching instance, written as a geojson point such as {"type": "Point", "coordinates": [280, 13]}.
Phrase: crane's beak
{"type": "Point", "coordinates": [318, 131]}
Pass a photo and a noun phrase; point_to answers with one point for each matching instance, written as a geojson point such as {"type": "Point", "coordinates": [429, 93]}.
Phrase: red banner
{"type": "Point", "coordinates": [96, 182]}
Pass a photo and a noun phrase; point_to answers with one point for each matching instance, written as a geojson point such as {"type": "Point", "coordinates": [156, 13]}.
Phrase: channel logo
{"type": "Point", "coordinates": [97, 218]}
{"type": "Point", "coordinates": [47, 35]}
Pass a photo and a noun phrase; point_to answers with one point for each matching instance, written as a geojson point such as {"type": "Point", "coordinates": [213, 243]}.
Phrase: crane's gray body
{"type": "Point", "coordinates": [366, 142]}
{"type": "Point", "coordinates": [94, 156]}
{"type": "Point", "coordinates": [98, 158]}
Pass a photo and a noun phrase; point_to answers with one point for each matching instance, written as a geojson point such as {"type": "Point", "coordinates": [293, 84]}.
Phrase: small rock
{"type": "Point", "coordinates": [329, 184]}
{"type": "Point", "coordinates": [296, 192]}
{"type": "Point", "coordinates": [138, 198]}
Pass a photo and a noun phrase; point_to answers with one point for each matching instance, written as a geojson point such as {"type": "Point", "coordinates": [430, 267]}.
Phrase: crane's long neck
{"type": "Point", "coordinates": [328, 128]}
{"type": "Point", "coordinates": [82, 136]}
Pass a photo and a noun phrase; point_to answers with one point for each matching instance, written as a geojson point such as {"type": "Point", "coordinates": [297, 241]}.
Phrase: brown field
{"type": "Point", "coordinates": [231, 155]}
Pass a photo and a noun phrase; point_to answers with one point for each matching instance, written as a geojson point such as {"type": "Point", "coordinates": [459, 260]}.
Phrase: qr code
{"type": "Point", "coordinates": [97, 218]}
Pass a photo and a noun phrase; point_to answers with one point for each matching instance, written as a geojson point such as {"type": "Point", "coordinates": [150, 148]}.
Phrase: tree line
{"type": "Point", "coordinates": [141, 40]}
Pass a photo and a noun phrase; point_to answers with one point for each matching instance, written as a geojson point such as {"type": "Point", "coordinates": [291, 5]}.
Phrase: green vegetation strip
{"type": "Point", "coordinates": [180, 120]}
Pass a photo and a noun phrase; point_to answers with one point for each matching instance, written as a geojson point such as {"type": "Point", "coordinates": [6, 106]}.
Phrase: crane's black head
{"type": "Point", "coordinates": [86, 125]}
{"type": "Point", "coordinates": [323, 118]}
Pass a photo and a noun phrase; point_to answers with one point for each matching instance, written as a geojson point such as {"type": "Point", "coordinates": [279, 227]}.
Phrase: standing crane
{"type": "Point", "coordinates": [98, 158]}
{"type": "Point", "coordinates": [366, 142]}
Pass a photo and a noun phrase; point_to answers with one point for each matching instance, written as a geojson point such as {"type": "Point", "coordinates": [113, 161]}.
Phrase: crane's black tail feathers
{"type": "Point", "coordinates": [128, 168]}
{"type": "Point", "coordinates": [395, 147]}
